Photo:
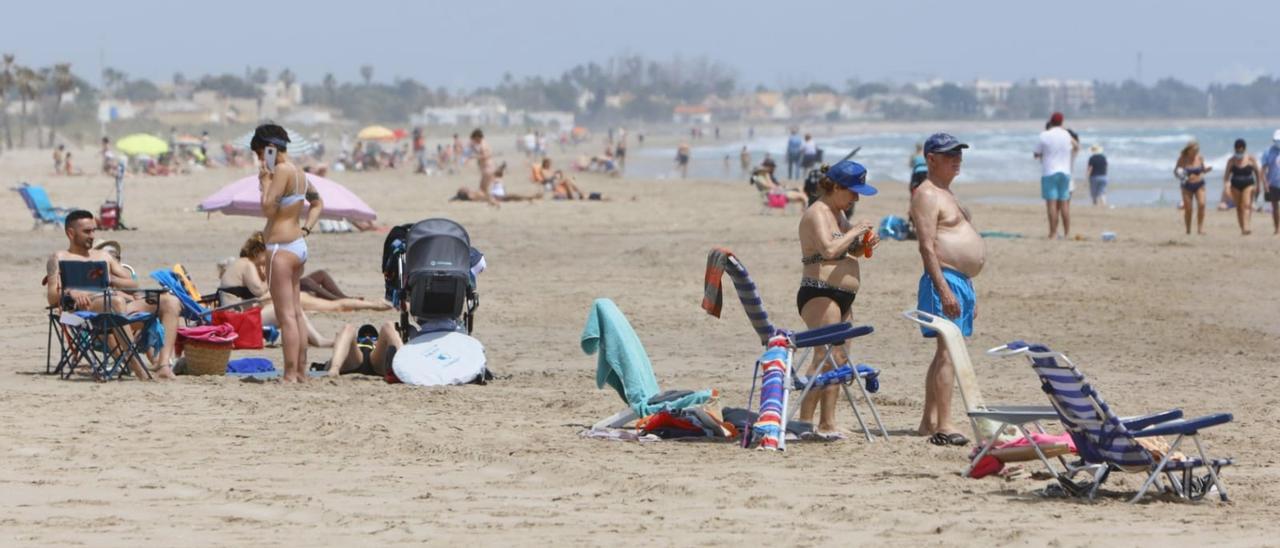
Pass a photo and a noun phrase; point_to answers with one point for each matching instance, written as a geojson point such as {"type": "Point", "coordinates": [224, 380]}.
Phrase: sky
{"type": "Point", "coordinates": [465, 44]}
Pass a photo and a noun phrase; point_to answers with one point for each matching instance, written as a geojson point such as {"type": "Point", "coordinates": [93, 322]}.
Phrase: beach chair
{"type": "Point", "coordinates": [823, 341]}
{"type": "Point", "coordinates": [1108, 443]}
{"type": "Point", "coordinates": [624, 366]}
{"type": "Point", "coordinates": [43, 211]}
{"type": "Point", "coordinates": [197, 309]}
{"type": "Point", "coordinates": [101, 340]}
{"type": "Point", "coordinates": [989, 422]}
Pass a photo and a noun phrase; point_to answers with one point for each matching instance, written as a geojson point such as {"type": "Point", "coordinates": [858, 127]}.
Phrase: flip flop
{"type": "Point", "coordinates": [938, 438]}
{"type": "Point", "coordinates": [957, 439]}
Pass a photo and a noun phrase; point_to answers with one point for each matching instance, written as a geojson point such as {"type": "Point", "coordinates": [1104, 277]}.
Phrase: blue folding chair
{"type": "Point", "coordinates": [824, 340]}
{"type": "Point", "coordinates": [42, 210]}
{"type": "Point", "coordinates": [101, 340]}
{"type": "Point", "coordinates": [1106, 442]}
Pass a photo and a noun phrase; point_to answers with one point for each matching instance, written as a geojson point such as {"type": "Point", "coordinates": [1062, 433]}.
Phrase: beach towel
{"type": "Point", "coordinates": [623, 363]}
{"type": "Point", "coordinates": [211, 334]}
{"type": "Point", "coordinates": [773, 367]}
{"type": "Point", "coordinates": [250, 365]}
{"type": "Point", "coordinates": [721, 261]}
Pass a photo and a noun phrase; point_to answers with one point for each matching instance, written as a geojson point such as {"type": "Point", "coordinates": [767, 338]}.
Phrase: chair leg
{"type": "Point", "coordinates": [875, 413]}
{"type": "Point", "coordinates": [849, 396]}
{"type": "Point", "coordinates": [986, 447]}
{"type": "Point", "coordinates": [1155, 472]}
{"type": "Point", "coordinates": [1213, 472]}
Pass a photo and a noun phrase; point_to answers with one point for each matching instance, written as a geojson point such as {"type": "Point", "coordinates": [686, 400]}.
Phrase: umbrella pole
{"type": "Point", "coordinates": [120, 198]}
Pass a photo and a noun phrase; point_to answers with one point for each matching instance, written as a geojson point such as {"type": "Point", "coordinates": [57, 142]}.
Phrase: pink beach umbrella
{"type": "Point", "coordinates": [243, 198]}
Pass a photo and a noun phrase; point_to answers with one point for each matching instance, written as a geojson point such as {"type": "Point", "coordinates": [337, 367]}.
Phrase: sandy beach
{"type": "Point", "coordinates": [1156, 319]}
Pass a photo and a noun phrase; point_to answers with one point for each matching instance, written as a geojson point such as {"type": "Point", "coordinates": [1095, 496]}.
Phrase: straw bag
{"type": "Point", "coordinates": [205, 358]}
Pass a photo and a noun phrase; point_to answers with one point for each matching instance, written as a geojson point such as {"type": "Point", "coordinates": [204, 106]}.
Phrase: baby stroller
{"type": "Point", "coordinates": [430, 273]}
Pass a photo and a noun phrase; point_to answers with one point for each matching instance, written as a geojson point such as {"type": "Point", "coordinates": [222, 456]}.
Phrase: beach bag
{"type": "Point", "coordinates": [247, 326]}
{"type": "Point", "coordinates": [777, 201]}
{"type": "Point", "coordinates": [893, 226]}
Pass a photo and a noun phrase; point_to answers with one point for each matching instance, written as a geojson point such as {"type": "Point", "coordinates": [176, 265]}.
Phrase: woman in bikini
{"type": "Point", "coordinates": [829, 245]}
{"type": "Point", "coordinates": [284, 188]}
{"type": "Point", "coordinates": [1242, 175]}
{"type": "Point", "coordinates": [1191, 171]}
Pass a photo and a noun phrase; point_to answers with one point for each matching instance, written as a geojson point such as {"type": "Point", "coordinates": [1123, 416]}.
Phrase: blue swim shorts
{"type": "Point", "coordinates": [929, 301]}
{"type": "Point", "coordinates": [1056, 187]}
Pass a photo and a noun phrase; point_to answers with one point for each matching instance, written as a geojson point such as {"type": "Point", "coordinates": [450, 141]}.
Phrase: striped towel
{"type": "Point", "coordinates": [768, 426]}
{"type": "Point", "coordinates": [721, 261]}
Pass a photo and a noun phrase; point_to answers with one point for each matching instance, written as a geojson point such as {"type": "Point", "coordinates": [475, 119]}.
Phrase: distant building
{"type": "Point", "coordinates": [1068, 94]}
{"type": "Point", "coordinates": [480, 111]}
{"type": "Point", "coordinates": [110, 110]}
{"type": "Point", "coordinates": [992, 93]}
{"type": "Point", "coordinates": [691, 114]}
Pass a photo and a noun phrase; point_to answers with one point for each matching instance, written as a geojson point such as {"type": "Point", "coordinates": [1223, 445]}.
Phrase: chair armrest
{"type": "Point", "coordinates": [1184, 426]}
{"type": "Point", "coordinates": [1143, 421]}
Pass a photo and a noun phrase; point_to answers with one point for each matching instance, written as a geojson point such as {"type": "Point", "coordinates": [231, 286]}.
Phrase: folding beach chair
{"type": "Point", "coordinates": [43, 211]}
{"type": "Point", "coordinates": [101, 340]}
{"type": "Point", "coordinates": [989, 422]}
{"type": "Point", "coordinates": [195, 307]}
{"type": "Point", "coordinates": [823, 341]}
{"type": "Point", "coordinates": [1109, 443]}
{"type": "Point", "coordinates": [624, 366]}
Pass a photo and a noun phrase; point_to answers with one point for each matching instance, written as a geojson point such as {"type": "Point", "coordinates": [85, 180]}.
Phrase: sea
{"type": "Point", "coordinates": [1140, 159]}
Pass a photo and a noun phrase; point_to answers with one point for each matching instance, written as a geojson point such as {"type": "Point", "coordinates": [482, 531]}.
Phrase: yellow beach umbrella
{"type": "Point", "coordinates": [376, 133]}
{"type": "Point", "coordinates": [142, 143]}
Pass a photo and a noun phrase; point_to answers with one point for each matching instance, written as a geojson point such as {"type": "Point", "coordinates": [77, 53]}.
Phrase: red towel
{"type": "Point", "coordinates": [712, 293]}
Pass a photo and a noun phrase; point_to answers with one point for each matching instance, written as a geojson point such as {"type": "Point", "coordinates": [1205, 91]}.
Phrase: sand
{"type": "Point", "coordinates": [1157, 319]}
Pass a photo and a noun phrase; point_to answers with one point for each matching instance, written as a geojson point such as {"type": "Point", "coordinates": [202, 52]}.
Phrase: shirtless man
{"type": "Point", "coordinates": [484, 155]}
{"type": "Point", "coordinates": [952, 253]}
{"type": "Point", "coordinates": [80, 228]}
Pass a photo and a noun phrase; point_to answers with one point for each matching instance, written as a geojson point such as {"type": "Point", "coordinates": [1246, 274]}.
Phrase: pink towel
{"type": "Point", "coordinates": [1041, 439]}
{"type": "Point", "coordinates": [218, 334]}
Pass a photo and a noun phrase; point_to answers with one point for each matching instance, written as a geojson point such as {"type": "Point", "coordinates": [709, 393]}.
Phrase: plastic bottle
{"type": "Point", "coordinates": [866, 244]}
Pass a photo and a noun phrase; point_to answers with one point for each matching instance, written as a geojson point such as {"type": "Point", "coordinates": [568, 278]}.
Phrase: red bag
{"type": "Point", "coordinates": [247, 324]}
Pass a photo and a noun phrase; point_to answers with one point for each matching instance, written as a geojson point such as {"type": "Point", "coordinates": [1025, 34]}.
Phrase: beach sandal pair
{"type": "Point", "coordinates": [954, 439]}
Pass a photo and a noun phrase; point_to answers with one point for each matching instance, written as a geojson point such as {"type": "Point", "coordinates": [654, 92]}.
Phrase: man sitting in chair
{"type": "Point", "coordinates": [80, 227]}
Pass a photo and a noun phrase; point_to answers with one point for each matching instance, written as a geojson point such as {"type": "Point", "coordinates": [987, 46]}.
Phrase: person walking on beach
{"type": "Point", "coordinates": [1097, 172]}
{"type": "Point", "coordinates": [744, 160]}
{"type": "Point", "coordinates": [1191, 170]}
{"type": "Point", "coordinates": [952, 254]}
{"type": "Point", "coordinates": [1242, 175]}
{"type": "Point", "coordinates": [682, 160]}
{"type": "Point", "coordinates": [794, 147]}
{"type": "Point", "coordinates": [1271, 174]}
{"type": "Point", "coordinates": [1055, 151]}
{"type": "Point", "coordinates": [284, 187]}
{"type": "Point", "coordinates": [829, 245]}
{"type": "Point", "coordinates": [808, 154]}
{"type": "Point", "coordinates": [620, 151]}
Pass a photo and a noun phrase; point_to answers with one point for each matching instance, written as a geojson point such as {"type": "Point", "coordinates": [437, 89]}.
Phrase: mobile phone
{"type": "Point", "coordinates": [269, 158]}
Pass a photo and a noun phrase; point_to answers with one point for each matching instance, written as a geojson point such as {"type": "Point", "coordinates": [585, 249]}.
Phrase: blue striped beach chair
{"type": "Point", "coordinates": [1108, 443]}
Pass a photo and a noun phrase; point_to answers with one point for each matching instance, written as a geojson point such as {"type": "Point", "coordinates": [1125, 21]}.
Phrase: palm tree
{"type": "Point", "coordinates": [7, 83]}
{"type": "Point", "coordinates": [366, 72]}
{"type": "Point", "coordinates": [112, 79]}
{"type": "Point", "coordinates": [28, 83]}
{"type": "Point", "coordinates": [62, 82]}
{"type": "Point", "coordinates": [330, 87]}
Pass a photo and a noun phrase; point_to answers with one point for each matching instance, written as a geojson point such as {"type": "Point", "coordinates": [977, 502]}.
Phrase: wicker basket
{"type": "Point", "coordinates": [205, 358]}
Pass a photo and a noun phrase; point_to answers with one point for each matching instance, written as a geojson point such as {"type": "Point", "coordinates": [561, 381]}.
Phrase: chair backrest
{"type": "Point", "coordinates": [84, 275]}
{"type": "Point", "coordinates": [1099, 434]}
{"type": "Point", "coordinates": [953, 339]}
{"type": "Point", "coordinates": [191, 308]}
{"type": "Point", "coordinates": [40, 203]}
{"type": "Point", "coordinates": [23, 191]}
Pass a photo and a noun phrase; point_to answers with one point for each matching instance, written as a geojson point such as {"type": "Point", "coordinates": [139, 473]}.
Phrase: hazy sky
{"type": "Point", "coordinates": [467, 43]}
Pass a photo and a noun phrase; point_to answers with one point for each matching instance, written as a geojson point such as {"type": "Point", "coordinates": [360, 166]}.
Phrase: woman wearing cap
{"type": "Point", "coordinates": [829, 245]}
{"type": "Point", "coordinates": [1242, 176]}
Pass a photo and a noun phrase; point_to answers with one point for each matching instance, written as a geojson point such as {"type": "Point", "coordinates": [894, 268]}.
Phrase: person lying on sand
{"type": "Point", "coordinates": [496, 191]}
{"type": "Point", "coordinates": [367, 351]}
{"type": "Point", "coordinates": [245, 278]}
{"type": "Point", "coordinates": [80, 229]}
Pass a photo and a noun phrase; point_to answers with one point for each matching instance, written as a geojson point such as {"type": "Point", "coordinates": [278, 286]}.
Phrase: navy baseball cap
{"type": "Point", "coordinates": [851, 175]}
{"type": "Point", "coordinates": [943, 143]}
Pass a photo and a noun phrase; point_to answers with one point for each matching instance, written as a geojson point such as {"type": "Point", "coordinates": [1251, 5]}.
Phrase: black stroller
{"type": "Point", "coordinates": [428, 268]}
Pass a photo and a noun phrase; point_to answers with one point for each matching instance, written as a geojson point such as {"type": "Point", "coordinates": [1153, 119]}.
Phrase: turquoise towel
{"type": "Point", "coordinates": [623, 363]}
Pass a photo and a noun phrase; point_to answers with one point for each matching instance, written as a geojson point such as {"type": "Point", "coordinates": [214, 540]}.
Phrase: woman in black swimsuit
{"type": "Point", "coordinates": [1191, 170]}
{"type": "Point", "coordinates": [829, 245]}
{"type": "Point", "coordinates": [1243, 174]}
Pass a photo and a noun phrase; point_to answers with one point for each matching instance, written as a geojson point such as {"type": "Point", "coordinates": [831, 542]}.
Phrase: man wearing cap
{"type": "Point", "coordinates": [1271, 174]}
{"type": "Point", "coordinates": [953, 253]}
{"type": "Point", "coordinates": [830, 246]}
{"type": "Point", "coordinates": [1055, 150]}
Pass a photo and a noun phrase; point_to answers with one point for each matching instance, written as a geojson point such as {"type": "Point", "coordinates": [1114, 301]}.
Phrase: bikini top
{"type": "Point", "coordinates": [296, 197]}
{"type": "Point", "coordinates": [817, 257]}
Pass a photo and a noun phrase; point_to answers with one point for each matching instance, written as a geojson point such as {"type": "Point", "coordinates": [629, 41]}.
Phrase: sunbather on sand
{"type": "Point", "coordinates": [562, 186]}
{"type": "Point", "coordinates": [762, 178]}
{"type": "Point", "coordinates": [80, 229]}
{"type": "Point", "coordinates": [364, 351]}
{"type": "Point", "coordinates": [829, 243]}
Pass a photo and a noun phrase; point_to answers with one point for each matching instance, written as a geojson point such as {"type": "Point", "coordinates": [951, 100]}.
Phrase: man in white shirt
{"type": "Point", "coordinates": [1055, 151]}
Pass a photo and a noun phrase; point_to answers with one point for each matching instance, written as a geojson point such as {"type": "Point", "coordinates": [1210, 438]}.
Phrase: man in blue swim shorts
{"type": "Point", "coordinates": [1056, 151]}
{"type": "Point", "coordinates": [952, 253]}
